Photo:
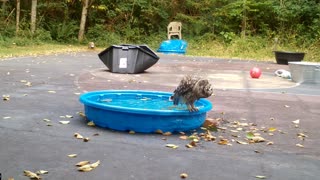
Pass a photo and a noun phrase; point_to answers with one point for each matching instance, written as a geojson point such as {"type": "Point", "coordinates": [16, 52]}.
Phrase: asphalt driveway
{"type": "Point", "coordinates": [44, 90]}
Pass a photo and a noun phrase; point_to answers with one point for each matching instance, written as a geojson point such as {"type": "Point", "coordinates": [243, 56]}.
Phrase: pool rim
{"type": "Point", "coordinates": [85, 99]}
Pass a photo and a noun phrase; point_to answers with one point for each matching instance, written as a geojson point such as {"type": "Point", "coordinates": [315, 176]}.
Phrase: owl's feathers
{"type": "Point", "coordinates": [191, 89]}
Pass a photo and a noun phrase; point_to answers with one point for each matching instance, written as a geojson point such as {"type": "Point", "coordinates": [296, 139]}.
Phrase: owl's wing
{"type": "Point", "coordinates": [185, 87]}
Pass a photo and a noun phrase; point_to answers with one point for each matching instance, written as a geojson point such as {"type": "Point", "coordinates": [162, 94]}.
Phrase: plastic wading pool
{"type": "Point", "coordinates": [141, 111]}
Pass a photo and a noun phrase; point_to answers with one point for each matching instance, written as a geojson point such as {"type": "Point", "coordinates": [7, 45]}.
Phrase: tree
{"type": "Point", "coordinates": [83, 19]}
{"type": "Point", "coordinates": [17, 16]}
{"type": "Point", "coordinates": [33, 15]}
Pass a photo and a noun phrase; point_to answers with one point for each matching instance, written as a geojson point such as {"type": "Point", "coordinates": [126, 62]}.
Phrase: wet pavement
{"type": "Point", "coordinates": [48, 87]}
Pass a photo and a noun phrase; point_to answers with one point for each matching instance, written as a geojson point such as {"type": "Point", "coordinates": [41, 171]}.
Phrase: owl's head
{"type": "Point", "coordinates": [204, 88]}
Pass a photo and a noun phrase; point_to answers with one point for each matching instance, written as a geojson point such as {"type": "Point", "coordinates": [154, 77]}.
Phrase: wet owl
{"type": "Point", "coordinates": [191, 89]}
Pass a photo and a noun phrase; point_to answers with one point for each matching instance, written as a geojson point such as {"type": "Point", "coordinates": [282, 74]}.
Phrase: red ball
{"type": "Point", "coordinates": [255, 72]}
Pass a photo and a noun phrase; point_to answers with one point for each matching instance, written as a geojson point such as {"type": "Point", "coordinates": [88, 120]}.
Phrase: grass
{"type": "Point", "coordinates": [34, 50]}
{"type": "Point", "coordinates": [240, 49]}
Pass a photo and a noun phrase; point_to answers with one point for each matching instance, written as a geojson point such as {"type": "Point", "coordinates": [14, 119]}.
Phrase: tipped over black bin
{"type": "Point", "coordinates": [126, 58]}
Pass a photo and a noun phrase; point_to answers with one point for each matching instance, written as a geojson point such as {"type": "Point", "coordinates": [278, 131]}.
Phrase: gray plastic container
{"type": "Point", "coordinates": [128, 59]}
{"type": "Point", "coordinates": [305, 72]}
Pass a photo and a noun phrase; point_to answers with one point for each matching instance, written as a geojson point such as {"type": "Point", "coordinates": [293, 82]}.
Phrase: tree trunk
{"type": "Point", "coordinates": [244, 20]}
{"type": "Point", "coordinates": [18, 17]}
{"type": "Point", "coordinates": [83, 19]}
{"type": "Point", "coordinates": [33, 16]}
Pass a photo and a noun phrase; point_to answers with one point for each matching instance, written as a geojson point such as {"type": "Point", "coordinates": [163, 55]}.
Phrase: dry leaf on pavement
{"type": "Point", "coordinates": [183, 175]}
{"type": "Point", "coordinates": [6, 97]}
{"type": "Point", "coordinates": [82, 163]}
{"type": "Point", "coordinates": [296, 121]}
{"type": "Point", "coordinates": [300, 145]}
{"type": "Point", "coordinates": [261, 177]}
{"type": "Point", "coordinates": [241, 142]}
{"type": "Point", "coordinates": [223, 142]}
{"type": "Point", "coordinates": [91, 123]}
{"type": "Point", "coordinates": [78, 136]}
{"type": "Point", "coordinates": [42, 172]}
{"type": "Point", "coordinates": [31, 174]}
{"type": "Point", "coordinates": [173, 146]}
{"type": "Point", "coordinates": [64, 122]}
{"type": "Point", "coordinates": [72, 155]}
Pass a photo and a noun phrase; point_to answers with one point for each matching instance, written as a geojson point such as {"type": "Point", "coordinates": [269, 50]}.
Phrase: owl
{"type": "Point", "coordinates": [191, 89]}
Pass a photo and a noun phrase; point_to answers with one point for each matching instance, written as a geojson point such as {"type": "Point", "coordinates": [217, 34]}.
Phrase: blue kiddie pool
{"type": "Point", "coordinates": [173, 46]}
{"type": "Point", "coordinates": [141, 111]}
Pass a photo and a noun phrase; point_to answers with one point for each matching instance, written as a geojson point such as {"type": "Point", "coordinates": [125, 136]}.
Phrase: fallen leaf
{"type": "Point", "coordinates": [184, 137]}
{"type": "Point", "coordinates": [81, 114]}
{"type": "Point", "coordinates": [64, 122]}
{"type": "Point", "coordinates": [23, 81]}
{"type": "Point", "coordinates": [257, 139]}
{"type": "Point", "coordinates": [167, 134]}
{"type": "Point", "coordinates": [173, 146]}
{"type": "Point", "coordinates": [223, 142]}
{"type": "Point", "coordinates": [301, 135]}
{"type": "Point", "coordinates": [46, 120]}
{"type": "Point", "coordinates": [287, 106]}
{"type": "Point", "coordinates": [96, 134]}
{"type": "Point", "coordinates": [272, 129]}
{"type": "Point", "coordinates": [210, 123]}
{"type": "Point", "coordinates": [159, 131]}
{"type": "Point", "coordinates": [300, 145]}
{"type": "Point", "coordinates": [82, 163]}
{"type": "Point", "coordinates": [249, 135]}
{"type": "Point", "coordinates": [10, 178]}
{"type": "Point", "coordinates": [31, 174]}
{"type": "Point", "coordinates": [96, 164]}
{"type": "Point", "coordinates": [85, 168]}
{"type": "Point", "coordinates": [72, 155]}
{"type": "Point", "coordinates": [189, 146]}
{"type": "Point", "coordinates": [257, 151]}
{"type": "Point", "coordinates": [29, 84]}
{"type": "Point", "coordinates": [261, 177]}
{"type": "Point", "coordinates": [7, 117]}
{"type": "Point", "coordinates": [132, 132]}
{"type": "Point", "coordinates": [6, 97]}
{"type": "Point", "coordinates": [239, 129]}
{"type": "Point", "coordinates": [42, 172]}
{"type": "Point", "coordinates": [91, 123]}
{"type": "Point", "coordinates": [241, 142]}
{"type": "Point", "coordinates": [52, 92]}
{"type": "Point", "coordinates": [184, 175]}
{"type": "Point", "coordinates": [78, 136]}
{"type": "Point", "coordinates": [243, 124]}
{"type": "Point", "coordinates": [86, 139]}
{"type": "Point", "coordinates": [270, 143]}
{"type": "Point", "coordinates": [69, 116]}
{"type": "Point", "coordinates": [296, 121]}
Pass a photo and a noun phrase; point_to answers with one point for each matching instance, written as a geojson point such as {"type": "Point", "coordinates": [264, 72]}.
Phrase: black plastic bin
{"type": "Point", "coordinates": [283, 57]}
{"type": "Point", "coordinates": [126, 58]}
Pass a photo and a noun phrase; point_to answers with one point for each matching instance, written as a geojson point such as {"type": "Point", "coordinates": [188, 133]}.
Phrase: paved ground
{"type": "Point", "coordinates": [48, 87]}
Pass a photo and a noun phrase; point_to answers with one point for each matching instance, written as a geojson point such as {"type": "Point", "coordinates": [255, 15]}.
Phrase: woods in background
{"type": "Point", "coordinates": [133, 20]}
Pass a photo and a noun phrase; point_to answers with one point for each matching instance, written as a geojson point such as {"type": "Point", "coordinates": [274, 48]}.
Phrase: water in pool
{"type": "Point", "coordinates": [141, 102]}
